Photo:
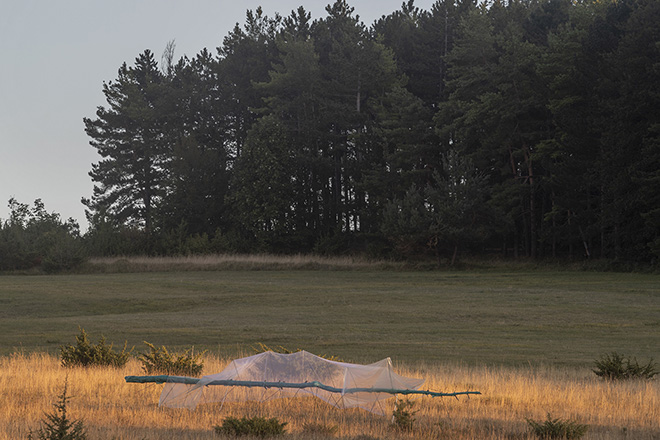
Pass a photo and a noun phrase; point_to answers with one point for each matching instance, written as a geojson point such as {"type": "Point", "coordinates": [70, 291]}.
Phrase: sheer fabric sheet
{"type": "Point", "coordinates": [296, 368]}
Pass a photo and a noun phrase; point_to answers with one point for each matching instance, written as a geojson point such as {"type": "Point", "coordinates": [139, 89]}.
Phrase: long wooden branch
{"type": "Point", "coordinates": [267, 384]}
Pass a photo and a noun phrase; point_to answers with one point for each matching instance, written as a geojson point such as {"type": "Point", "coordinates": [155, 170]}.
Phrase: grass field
{"type": "Point", "coordinates": [525, 339]}
{"type": "Point", "coordinates": [113, 409]}
{"type": "Point", "coordinates": [485, 317]}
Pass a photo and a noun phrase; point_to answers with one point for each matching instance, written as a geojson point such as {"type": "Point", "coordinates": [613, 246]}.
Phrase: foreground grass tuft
{"type": "Point", "coordinates": [557, 429]}
{"type": "Point", "coordinates": [255, 426]}
{"type": "Point", "coordinates": [318, 429]}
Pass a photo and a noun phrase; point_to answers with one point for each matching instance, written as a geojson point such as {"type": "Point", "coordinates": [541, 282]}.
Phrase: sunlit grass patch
{"type": "Point", "coordinates": [111, 408]}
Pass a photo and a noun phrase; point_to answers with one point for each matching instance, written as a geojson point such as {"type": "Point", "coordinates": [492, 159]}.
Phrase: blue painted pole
{"type": "Point", "coordinates": [267, 384]}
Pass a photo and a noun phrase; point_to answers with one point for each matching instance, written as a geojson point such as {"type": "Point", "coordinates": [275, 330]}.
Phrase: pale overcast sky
{"type": "Point", "coordinates": [55, 56]}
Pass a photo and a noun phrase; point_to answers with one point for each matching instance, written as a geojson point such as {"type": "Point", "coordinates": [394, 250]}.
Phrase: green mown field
{"type": "Point", "coordinates": [473, 317]}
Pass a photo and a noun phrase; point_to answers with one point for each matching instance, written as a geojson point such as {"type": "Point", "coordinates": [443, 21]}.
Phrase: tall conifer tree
{"type": "Point", "coordinates": [130, 136]}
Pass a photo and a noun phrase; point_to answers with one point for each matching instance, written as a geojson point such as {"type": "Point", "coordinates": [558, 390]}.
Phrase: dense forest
{"type": "Point", "coordinates": [521, 128]}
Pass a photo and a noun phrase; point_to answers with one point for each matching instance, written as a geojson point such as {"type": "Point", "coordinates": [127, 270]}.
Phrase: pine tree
{"type": "Point", "coordinates": [199, 169]}
{"type": "Point", "coordinates": [631, 131]}
{"type": "Point", "coordinates": [456, 196]}
{"type": "Point", "coordinates": [356, 72]}
{"type": "Point", "coordinates": [132, 139]}
{"type": "Point", "coordinates": [292, 97]}
{"type": "Point", "coordinates": [58, 426]}
{"type": "Point", "coordinates": [263, 184]}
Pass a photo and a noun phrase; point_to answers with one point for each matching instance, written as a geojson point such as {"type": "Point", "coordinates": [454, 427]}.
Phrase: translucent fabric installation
{"type": "Point", "coordinates": [344, 385]}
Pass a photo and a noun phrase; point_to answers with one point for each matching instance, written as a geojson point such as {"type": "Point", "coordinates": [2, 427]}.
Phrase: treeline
{"type": "Point", "coordinates": [516, 128]}
{"type": "Point", "coordinates": [33, 238]}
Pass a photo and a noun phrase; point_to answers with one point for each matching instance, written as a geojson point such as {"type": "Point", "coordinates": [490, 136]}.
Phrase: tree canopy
{"type": "Point", "coordinates": [522, 128]}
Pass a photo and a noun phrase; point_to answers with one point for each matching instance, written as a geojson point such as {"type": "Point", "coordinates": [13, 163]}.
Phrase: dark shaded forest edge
{"type": "Point", "coordinates": [500, 131]}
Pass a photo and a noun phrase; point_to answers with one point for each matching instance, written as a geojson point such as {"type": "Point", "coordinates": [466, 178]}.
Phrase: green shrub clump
{"type": "Point", "coordinates": [58, 426]}
{"type": "Point", "coordinates": [616, 366]}
{"type": "Point", "coordinates": [161, 361]}
{"type": "Point", "coordinates": [557, 429]}
{"type": "Point", "coordinates": [255, 426]}
{"type": "Point", "coordinates": [403, 417]}
{"type": "Point", "coordinates": [85, 354]}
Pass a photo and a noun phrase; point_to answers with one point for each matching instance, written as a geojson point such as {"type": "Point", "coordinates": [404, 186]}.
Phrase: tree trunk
{"type": "Point", "coordinates": [532, 203]}
{"type": "Point", "coordinates": [453, 257]}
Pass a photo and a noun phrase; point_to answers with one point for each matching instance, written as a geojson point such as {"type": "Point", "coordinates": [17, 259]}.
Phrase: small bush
{"type": "Point", "coordinates": [255, 426]}
{"type": "Point", "coordinates": [58, 426]}
{"type": "Point", "coordinates": [84, 354]}
{"type": "Point", "coordinates": [615, 366]}
{"type": "Point", "coordinates": [62, 251]}
{"type": "Point", "coordinates": [403, 417]}
{"type": "Point", "coordinates": [161, 361]}
{"type": "Point", "coordinates": [557, 429]}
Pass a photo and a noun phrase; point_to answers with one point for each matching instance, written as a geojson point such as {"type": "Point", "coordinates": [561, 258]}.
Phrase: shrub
{"type": "Point", "coordinates": [61, 251]}
{"type": "Point", "coordinates": [58, 426]}
{"type": "Point", "coordinates": [84, 354]}
{"type": "Point", "coordinates": [615, 366]}
{"type": "Point", "coordinates": [33, 237]}
{"type": "Point", "coordinates": [161, 361]}
{"type": "Point", "coordinates": [403, 417]}
{"type": "Point", "coordinates": [255, 426]}
{"type": "Point", "coordinates": [557, 429]}
{"type": "Point", "coordinates": [337, 243]}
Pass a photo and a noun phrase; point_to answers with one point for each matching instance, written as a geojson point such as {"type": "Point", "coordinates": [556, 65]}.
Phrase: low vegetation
{"type": "Point", "coordinates": [557, 429]}
{"type": "Point", "coordinates": [269, 262]}
{"type": "Point", "coordinates": [615, 366]}
{"type": "Point", "coordinates": [112, 408]}
{"type": "Point", "coordinates": [57, 425]}
{"type": "Point", "coordinates": [213, 262]}
{"type": "Point", "coordinates": [320, 429]}
{"type": "Point", "coordinates": [158, 360]}
{"type": "Point", "coordinates": [86, 354]}
{"type": "Point", "coordinates": [403, 416]}
{"type": "Point", "coordinates": [252, 426]}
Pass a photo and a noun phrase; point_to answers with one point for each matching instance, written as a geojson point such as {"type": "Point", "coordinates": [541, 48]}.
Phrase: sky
{"type": "Point", "coordinates": [55, 57]}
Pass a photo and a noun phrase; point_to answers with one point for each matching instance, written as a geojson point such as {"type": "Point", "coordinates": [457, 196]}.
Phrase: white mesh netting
{"type": "Point", "coordinates": [346, 385]}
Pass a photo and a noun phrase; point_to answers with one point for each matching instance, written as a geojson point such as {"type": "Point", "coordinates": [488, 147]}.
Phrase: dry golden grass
{"type": "Point", "coordinates": [113, 409]}
{"type": "Point", "coordinates": [234, 262]}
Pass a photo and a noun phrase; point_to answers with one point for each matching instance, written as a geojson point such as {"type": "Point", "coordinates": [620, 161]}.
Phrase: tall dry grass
{"type": "Point", "coordinates": [208, 262]}
{"type": "Point", "coordinates": [113, 409]}
{"type": "Point", "coordinates": [234, 262]}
